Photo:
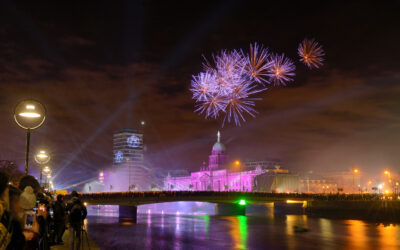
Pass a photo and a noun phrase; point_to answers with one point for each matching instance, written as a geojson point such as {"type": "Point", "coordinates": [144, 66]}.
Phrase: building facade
{"type": "Point", "coordinates": [128, 161]}
{"type": "Point", "coordinates": [312, 183]}
{"type": "Point", "coordinates": [277, 182]}
{"type": "Point", "coordinates": [264, 164]}
{"type": "Point", "coordinates": [215, 176]}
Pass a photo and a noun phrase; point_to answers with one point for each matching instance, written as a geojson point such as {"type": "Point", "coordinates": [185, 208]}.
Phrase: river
{"type": "Point", "coordinates": [268, 230]}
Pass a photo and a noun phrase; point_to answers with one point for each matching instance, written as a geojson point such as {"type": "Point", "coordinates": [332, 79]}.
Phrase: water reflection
{"type": "Point", "coordinates": [238, 231]}
{"type": "Point", "coordinates": [161, 231]}
{"type": "Point", "coordinates": [357, 236]}
{"type": "Point", "coordinates": [389, 236]}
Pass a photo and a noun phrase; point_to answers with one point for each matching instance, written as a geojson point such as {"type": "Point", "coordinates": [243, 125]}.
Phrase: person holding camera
{"type": "Point", "coordinates": [76, 215]}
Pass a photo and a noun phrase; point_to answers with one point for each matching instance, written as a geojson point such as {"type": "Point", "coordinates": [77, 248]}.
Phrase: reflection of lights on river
{"type": "Point", "coordinates": [148, 232]}
{"type": "Point", "coordinates": [388, 236]}
{"type": "Point", "coordinates": [178, 220]}
{"type": "Point", "coordinates": [326, 228]}
{"type": "Point", "coordinates": [149, 218]}
{"type": "Point", "coordinates": [206, 219]}
{"type": "Point", "coordinates": [357, 234]}
{"type": "Point", "coordinates": [239, 231]}
{"type": "Point", "coordinates": [162, 220]}
{"type": "Point", "coordinates": [291, 221]}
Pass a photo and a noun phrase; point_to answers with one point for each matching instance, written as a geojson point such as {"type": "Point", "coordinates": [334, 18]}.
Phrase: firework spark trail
{"type": "Point", "coordinates": [202, 85]}
{"type": "Point", "coordinates": [281, 70]}
{"type": "Point", "coordinates": [212, 106]}
{"type": "Point", "coordinates": [239, 102]}
{"type": "Point", "coordinates": [258, 64]}
{"type": "Point", "coordinates": [311, 53]}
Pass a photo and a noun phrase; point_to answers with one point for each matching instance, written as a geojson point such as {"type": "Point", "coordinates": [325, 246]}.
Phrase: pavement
{"type": "Point", "coordinates": [85, 241]}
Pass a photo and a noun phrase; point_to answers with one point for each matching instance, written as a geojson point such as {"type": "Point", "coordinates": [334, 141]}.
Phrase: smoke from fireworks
{"type": "Point", "coordinates": [281, 70]}
{"type": "Point", "coordinates": [229, 82]}
{"type": "Point", "coordinates": [311, 53]}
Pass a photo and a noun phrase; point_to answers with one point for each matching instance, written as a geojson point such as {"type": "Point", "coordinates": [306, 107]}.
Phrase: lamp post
{"type": "Point", "coordinates": [48, 181]}
{"type": "Point", "coordinates": [47, 172]}
{"type": "Point", "coordinates": [29, 115]}
{"type": "Point", "coordinates": [237, 164]}
{"type": "Point", "coordinates": [42, 158]}
{"type": "Point", "coordinates": [387, 173]}
{"type": "Point", "coordinates": [355, 171]}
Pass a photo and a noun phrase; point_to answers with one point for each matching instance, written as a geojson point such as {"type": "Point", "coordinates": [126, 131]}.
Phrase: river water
{"type": "Point", "coordinates": [266, 230]}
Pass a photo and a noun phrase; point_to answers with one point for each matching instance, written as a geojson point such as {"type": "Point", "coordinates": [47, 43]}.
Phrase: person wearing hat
{"type": "Point", "coordinates": [27, 201]}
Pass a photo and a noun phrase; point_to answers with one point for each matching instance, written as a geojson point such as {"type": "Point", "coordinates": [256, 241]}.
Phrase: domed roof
{"type": "Point", "coordinates": [218, 146]}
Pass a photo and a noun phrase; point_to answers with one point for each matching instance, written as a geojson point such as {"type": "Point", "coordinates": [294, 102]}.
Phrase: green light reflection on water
{"type": "Point", "coordinates": [243, 230]}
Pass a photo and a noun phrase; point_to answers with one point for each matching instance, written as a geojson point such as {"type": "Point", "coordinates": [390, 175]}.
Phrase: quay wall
{"type": "Point", "coordinates": [375, 210]}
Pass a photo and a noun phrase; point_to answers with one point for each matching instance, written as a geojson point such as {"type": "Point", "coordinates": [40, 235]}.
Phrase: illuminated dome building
{"type": "Point", "coordinates": [216, 176]}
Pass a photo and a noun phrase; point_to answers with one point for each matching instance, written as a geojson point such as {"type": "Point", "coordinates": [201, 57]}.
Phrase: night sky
{"type": "Point", "coordinates": [102, 66]}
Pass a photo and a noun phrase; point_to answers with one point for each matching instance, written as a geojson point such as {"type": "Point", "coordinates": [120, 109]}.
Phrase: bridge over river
{"type": "Point", "coordinates": [234, 203]}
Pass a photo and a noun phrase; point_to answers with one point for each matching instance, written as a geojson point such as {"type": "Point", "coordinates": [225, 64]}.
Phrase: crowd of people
{"type": "Point", "coordinates": [31, 218]}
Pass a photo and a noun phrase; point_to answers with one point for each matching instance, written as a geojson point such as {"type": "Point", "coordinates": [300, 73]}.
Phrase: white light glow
{"type": "Point", "coordinates": [29, 114]}
{"type": "Point", "coordinates": [30, 106]}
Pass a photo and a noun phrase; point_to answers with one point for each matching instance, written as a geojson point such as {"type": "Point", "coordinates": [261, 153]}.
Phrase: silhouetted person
{"type": "Point", "coordinates": [76, 214]}
{"type": "Point", "coordinates": [59, 211]}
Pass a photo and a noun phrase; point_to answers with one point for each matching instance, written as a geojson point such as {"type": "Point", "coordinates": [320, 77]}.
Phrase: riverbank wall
{"type": "Point", "coordinates": [374, 210]}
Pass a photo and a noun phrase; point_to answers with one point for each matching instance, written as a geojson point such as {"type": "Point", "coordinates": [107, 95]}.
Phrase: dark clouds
{"type": "Point", "coordinates": [101, 67]}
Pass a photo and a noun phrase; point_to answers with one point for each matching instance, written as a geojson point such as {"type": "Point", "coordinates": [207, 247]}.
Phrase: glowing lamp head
{"type": "Point", "coordinates": [380, 186]}
{"type": "Point", "coordinates": [42, 157]}
{"type": "Point", "coordinates": [237, 163]}
{"type": "Point", "coordinates": [242, 202]}
{"type": "Point", "coordinates": [29, 114]}
{"type": "Point", "coordinates": [386, 191]}
{"type": "Point", "coordinates": [355, 171]}
{"type": "Point", "coordinates": [386, 172]}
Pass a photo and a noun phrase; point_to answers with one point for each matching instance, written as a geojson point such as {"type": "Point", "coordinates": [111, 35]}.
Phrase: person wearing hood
{"type": "Point", "coordinates": [76, 215]}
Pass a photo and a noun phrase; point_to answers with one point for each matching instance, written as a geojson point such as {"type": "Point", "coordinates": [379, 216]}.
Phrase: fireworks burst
{"type": "Point", "coordinates": [232, 78]}
{"type": "Point", "coordinates": [311, 53]}
{"type": "Point", "coordinates": [225, 88]}
{"type": "Point", "coordinates": [281, 70]}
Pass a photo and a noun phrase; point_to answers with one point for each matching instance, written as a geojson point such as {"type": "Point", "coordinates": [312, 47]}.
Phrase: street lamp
{"type": "Point", "coordinates": [355, 171]}
{"type": "Point", "coordinates": [42, 158]}
{"type": "Point", "coordinates": [46, 170]}
{"type": "Point", "coordinates": [29, 114]}
{"type": "Point", "coordinates": [387, 173]}
{"type": "Point", "coordinates": [48, 181]}
{"type": "Point", "coordinates": [237, 164]}
{"type": "Point", "coordinates": [47, 173]}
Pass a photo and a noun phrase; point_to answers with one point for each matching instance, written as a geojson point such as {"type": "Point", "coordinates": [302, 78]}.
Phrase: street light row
{"type": "Point", "coordinates": [43, 158]}
{"type": "Point", "coordinates": [29, 115]}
